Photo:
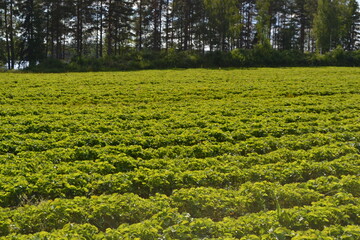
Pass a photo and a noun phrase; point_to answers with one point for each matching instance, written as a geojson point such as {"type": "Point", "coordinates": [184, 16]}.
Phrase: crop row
{"type": "Point", "coordinates": [108, 160]}
{"type": "Point", "coordinates": [112, 122]}
{"type": "Point", "coordinates": [146, 181]}
{"type": "Point", "coordinates": [112, 210]}
{"type": "Point", "coordinates": [97, 218]}
{"type": "Point", "coordinates": [90, 147]}
{"type": "Point", "coordinates": [278, 137]}
{"type": "Point", "coordinates": [88, 231]}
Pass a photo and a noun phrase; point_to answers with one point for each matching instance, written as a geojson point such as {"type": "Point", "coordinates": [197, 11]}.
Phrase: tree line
{"type": "Point", "coordinates": [34, 30]}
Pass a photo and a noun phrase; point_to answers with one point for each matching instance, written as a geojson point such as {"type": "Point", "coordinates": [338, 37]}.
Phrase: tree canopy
{"type": "Point", "coordinates": [34, 30]}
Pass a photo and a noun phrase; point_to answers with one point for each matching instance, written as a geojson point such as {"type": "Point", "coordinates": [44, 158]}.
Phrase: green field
{"type": "Point", "coordinates": [181, 154]}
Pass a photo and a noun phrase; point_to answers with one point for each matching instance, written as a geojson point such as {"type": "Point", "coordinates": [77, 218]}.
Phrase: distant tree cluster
{"type": "Point", "coordinates": [34, 30]}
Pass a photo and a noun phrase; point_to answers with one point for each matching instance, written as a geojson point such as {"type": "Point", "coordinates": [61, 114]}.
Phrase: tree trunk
{"type": "Point", "coordinates": [248, 28]}
{"type": "Point", "coordinates": [167, 25]}
{"type": "Point", "coordinates": [11, 34]}
{"type": "Point", "coordinates": [31, 40]}
{"type": "Point", "coordinates": [186, 25]}
{"type": "Point", "coordinates": [140, 31]}
{"type": "Point", "coordinates": [157, 8]}
{"type": "Point", "coordinates": [79, 17]}
{"type": "Point", "coordinates": [47, 31]}
{"type": "Point", "coordinates": [302, 28]}
{"type": "Point", "coordinates": [101, 28]}
{"type": "Point", "coordinates": [8, 60]}
{"type": "Point", "coordinates": [109, 36]}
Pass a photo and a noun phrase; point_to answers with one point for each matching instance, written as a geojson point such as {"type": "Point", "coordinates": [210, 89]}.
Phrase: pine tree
{"type": "Point", "coordinates": [10, 31]}
{"type": "Point", "coordinates": [119, 25]}
{"type": "Point", "coordinates": [263, 25]}
{"type": "Point", "coordinates": [32, 38]}
{"type": "Point", "coordinates": [326, 25]}
{"type": "Point", "coordinates": [224, 21]}
{"type": "Point", "coordinates": [247, 9]}
{"type": "Point", "coordinates": [349, 19]}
